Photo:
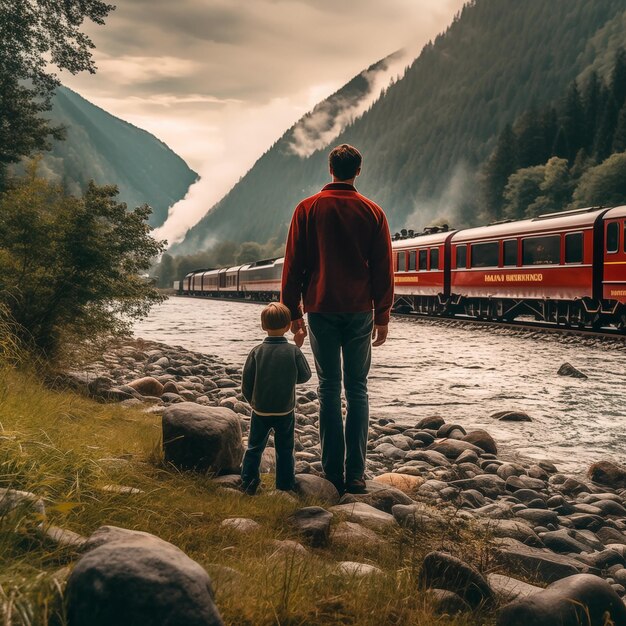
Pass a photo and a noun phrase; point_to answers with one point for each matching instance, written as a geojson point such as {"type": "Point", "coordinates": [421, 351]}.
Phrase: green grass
{"type": "Point", "coordinates": [60, 445]}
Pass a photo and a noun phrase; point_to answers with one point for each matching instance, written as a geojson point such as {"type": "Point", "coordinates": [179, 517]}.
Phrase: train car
{"type": "Point", "coordinates": [548, 267]}
{"type": "Point", "coordinates": [422, 277]}
{"type": "Point", "coordinates": [186, 283]}
{"type": "Point", "coordinates": [614, 260]}
{"type": "Point", "coordinates": [261, 280]}
{"type": "Point", "coordinates": [209, 283]}
{"type": "Point", "coordinates": [229, 281]}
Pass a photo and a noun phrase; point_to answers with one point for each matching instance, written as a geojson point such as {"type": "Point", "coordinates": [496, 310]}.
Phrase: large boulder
{"type": "Point", "coordinates": [608, 474]}
{"type": "Point", "coordinates": [365, 514]}
{"type": "Point", "coordinates": [316, 487]}
{"type": "Point", "coordinates": [202, 437]}
{"type": "Point", "coordinates": [130, 577]}
{"type": "Point", "coordinates": [147, 386]}
{"type": "Point", "coordinates": [444, 571]}
{"type": "Point", "coordinates": [453, 448]}
{"type": "Point", "coordinates": [575, 600]}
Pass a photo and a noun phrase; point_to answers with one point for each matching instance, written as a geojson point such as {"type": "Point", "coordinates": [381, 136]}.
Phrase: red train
{"type": "Point", "coordinates": [568, 268]}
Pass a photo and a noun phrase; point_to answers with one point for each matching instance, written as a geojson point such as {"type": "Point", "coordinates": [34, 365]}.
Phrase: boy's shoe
{"type": "Point", "coordinates": [356, 486]}
{"type": "Point", "coordinates": [250, 488]}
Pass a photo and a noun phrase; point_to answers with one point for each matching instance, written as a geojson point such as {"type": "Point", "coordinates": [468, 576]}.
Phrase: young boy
{"type": "Point", "coordinates": [270, 375]}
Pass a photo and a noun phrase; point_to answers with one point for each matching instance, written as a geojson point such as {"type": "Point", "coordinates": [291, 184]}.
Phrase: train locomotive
{"type": "Point", "coordinates": [566, 268]}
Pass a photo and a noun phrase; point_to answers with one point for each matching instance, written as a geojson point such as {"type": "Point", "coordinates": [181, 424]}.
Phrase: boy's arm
{"type": "Point", "coordinates": [304, 371]}
{"type": "Point", "coordinates": [248, 376]}
{"type": "Point", "coordinates": [381, 269]}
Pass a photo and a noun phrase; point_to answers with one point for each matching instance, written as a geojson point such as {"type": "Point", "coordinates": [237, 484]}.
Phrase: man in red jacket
{"type": "Point", "coordinates": [338, 261]}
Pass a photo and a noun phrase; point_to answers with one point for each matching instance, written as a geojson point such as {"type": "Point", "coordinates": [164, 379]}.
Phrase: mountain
{"type": "Point", "coordinates": [104, 148]}
{"type": "Point", "coordinates": [425, 138]}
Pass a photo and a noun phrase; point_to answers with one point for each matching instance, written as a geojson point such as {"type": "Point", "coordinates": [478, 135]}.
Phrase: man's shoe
{"type": "Point", "coordinates": [356, 485]}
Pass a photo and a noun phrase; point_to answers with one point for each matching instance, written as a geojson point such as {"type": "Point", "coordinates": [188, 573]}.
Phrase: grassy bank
{"type": "Point", "coordinates": [68, 450]}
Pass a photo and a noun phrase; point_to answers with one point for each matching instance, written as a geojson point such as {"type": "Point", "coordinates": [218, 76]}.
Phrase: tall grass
{"type": "Point", "coordinates": [67, 449]}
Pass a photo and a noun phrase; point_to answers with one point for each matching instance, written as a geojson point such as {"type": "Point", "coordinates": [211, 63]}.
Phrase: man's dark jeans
{"type": "Point", "coordinates": [333, 336]}
{"type": "Point", "coordinates": [260, 427]}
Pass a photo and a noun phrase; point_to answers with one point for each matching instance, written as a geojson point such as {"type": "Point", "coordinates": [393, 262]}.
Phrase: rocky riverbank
{"type": "Point", "coordinates": [552, 529]}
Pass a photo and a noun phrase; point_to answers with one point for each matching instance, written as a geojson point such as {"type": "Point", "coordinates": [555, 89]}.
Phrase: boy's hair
{"type": "Point", "coordinates": [344, 161]}
{"type": "Point", "coordinates": [275, 316]}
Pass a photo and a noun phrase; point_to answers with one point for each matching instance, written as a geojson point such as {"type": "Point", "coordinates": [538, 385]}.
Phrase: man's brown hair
{"type": "Point", "coordinates": [344, 161]}
{"type": "Point", "coordinates": [275, 316]}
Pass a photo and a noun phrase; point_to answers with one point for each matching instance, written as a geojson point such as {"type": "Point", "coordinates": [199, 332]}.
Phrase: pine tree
{"type": "Point", "coordinates": [573, 122]}
{"type": "Point", "coordinates": [619, 138]}
{"type": "Point", "coordinates": [501, 164]}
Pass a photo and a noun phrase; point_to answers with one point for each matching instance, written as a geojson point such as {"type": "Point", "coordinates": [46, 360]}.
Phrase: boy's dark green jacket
{"type": "Point", "coordinates": [270, 375]}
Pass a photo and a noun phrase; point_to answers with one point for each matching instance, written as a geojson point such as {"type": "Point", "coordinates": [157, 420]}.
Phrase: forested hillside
{"type": "Point", "coordinates": [556, 156]}
{"type": "Point", "coordinates": [426, 139]}
{"type": "Point", "coordinates": [109, 150]}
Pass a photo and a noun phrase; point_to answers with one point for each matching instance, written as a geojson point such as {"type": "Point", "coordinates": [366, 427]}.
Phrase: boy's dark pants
{"type": "Point", "coordinates": [334, 335]}
{"type": "Point", "coordinates": [260, 427]}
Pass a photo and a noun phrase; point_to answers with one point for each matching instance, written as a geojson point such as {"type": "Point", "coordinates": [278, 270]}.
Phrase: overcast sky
{"type": "Point", "coordinates": [220, 80]}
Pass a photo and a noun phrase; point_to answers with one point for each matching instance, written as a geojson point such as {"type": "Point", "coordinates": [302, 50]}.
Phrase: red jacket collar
{"type": "Point", "coordinates": [338, 187]}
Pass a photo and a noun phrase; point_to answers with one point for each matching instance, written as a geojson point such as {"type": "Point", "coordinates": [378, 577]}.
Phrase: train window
{"type": "Point", "coordinates": [509, 252]}
{"type": "Point", "coordinates": [412, 260]}
{"type": "Point", "coordinates": [541, 250]}
{"type": "Point", "coordinates": [485, 254]}
{"type": "Point", "coordinates": [401, 262]}
{"type": "Point", "coordinates": [612, 237]}
{"type": "Point", "coordinates": [461, 257]}
{"type": "Point", "coordinates": [423, 260]}
{"type": "Point", "coordinates": [574, 248]}
{"type": "Point", "coordinates": [434, 258]}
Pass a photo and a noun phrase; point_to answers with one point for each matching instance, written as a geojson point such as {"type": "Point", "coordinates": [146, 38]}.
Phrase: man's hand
{"type": "Point", "coordinates": [380, 334]}
{"type": "Point", "coordinates": [298, 328]}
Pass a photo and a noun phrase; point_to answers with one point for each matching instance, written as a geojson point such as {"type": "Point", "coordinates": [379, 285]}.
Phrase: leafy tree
{"type": "Point", "coordinates": [167, 271]}
{"type": "Point", "coordinates": [248, 252]}
{"type": "Point", "coordinates": [604, 184]}
{"type": "Point", "coordinates": [35, 34]}
{"type": "Point", "coordinates": [522, 190]}
{"type": "Point", "coordinates": [70, 268]}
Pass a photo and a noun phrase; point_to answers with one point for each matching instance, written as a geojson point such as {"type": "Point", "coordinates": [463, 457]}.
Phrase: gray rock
{"type": "Point", "coordinates": [241, 525]}
{"type": "Point", "coordinates": [429, 456]}
{"type": "Point", "coordinates": [286, 548]}
{"type": "Point", "coordinates": [488, 484]}
{"type": "Point", "coordinates": [202, 437]}
{"type": "Point", "coordinates": [379, 496]}
{"type": "Point", "coordinates": [365, 514]}
{"type": "Point", "coordinates": [147, 386]}
{"type": "Point", "coordinates": [539, 517]}
{"type": "Point", "coordinates": [453, 448]}
{"type": "Point", "coordinates": [508, 528]}
{"type": "Point", "coordinates": [509, 589]}
{"type": "Point", "coordinates": [434, 422]}
{"type": "Point", "coordinates": [446, 602]}
{"type": "Point", "coordinates": [575, 600]}
{"type": "Point", "coordinates": [61, 537]}
{"type": "Point", "coordinates": [608, 474]}
{"type": "Point", "coordinates": [448, 430]}
{"type": "Point", "coordinates": [21, 503]}
{"type": "Point", "coordinates": [563, 542]}
{"type": "Point", "coordinates": [130, 577]}
{"type": "Point", "coordinates": [483, 440]}
{"type": "Point", "coordinates": [390, 451]}
{"type": "Point", "coordinates": [541, 564]}
{"type": "Point", "coordinates": [358, 570]}
{"type": "Point", "coordinates": [443, 571]}
{"type": "Point", "coordinates": [416, 515]}
{"type": "Point", "coordinates": [311, 486]}
{"type": "Point", "coordinates": [353, 534]}
{"type": "Point", "coordinates": [569, 370]}
{"type": "Point", "coordinates": [231, 481]}
{"type": "Point", "coordinates": [313, 523]}
{"type": "Point", "coordinates": [512, 416]}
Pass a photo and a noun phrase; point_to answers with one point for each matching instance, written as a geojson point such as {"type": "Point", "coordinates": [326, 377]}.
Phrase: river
{"type": "Point", "coordinates": [463, 373]}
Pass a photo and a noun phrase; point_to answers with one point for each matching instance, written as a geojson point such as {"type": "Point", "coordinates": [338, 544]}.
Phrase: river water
{"type": "Point", "coordinates": [462, 373]}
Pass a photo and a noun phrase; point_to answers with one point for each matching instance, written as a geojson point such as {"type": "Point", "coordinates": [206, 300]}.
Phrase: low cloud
{"type": "Point", "coordinates": [328, 119]}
